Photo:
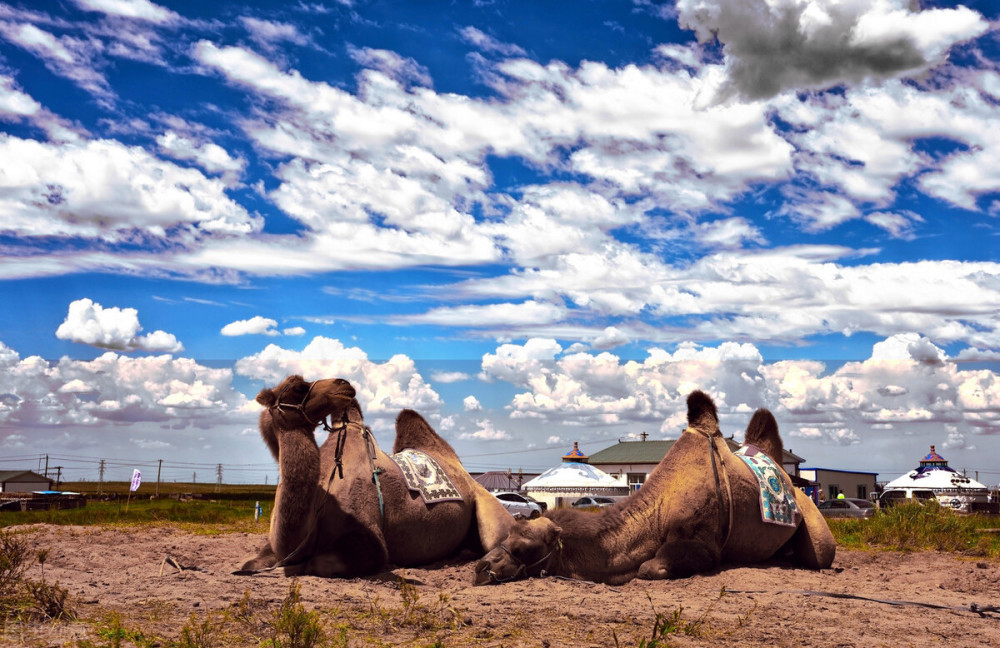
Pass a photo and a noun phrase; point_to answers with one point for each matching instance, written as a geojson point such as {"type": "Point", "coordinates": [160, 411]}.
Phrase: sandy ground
{"type": "Point", "coordinates": [766, 605]}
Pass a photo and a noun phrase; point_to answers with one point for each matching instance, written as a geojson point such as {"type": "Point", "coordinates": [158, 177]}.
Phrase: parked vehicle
{"type": "Point", "coordinates": [593, 502]}
{"type": "Point", "coordinates": [520, 505]}
{"type": "Point", "coordinates": [847, 507]}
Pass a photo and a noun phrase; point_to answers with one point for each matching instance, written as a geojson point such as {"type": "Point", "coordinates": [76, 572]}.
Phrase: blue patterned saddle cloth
{"type": "Point", "coordinates": [777, 502]}
{"type": "Point", "coordinates": [425, 475]}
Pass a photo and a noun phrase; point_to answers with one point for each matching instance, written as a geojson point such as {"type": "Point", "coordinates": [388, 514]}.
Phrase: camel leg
{"type": "Point", "coordinates": [265, 559]}
{"type": "Point", "coordinates": [492, 520]}
{"type": "Point", "coordinates": [812, 545]}
{"type": "Point", "coordinates": [681, 558]}
{"type": "Point", "coordinates": [292, 519]}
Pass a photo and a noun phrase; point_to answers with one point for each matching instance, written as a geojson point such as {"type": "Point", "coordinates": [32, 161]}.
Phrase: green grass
{"type": "Point", "coordinates": [915, 527]}
{"type": "Point", "coordinates": [203, 516]}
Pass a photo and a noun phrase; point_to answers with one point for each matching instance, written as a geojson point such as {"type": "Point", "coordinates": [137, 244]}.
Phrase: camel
{"type": "Point", "coordinates": [699, 508]}
{"type": "Point", "coordinates": [343, 509]}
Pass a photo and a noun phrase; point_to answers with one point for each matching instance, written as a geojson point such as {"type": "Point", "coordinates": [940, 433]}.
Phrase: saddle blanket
{"type": "Point", "coordinates": [777, 503]}
{"type": "Point", "coordinates": [424, 475]}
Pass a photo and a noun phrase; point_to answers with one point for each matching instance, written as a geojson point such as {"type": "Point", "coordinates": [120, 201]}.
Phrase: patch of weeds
{"type": "Point", "coordinates": [48, 601]}
{"type": "Point", "coordinates": [667, 625]}
{"type": "Point", "coordinates": [436, 616]}
{"type": "Point", "coordinates": [251, 613]}
{"type": "Point", "coordinates": [13, 561]}
{"type": "Point", "coordinates": [200, 635]}
{"type": "Point", "coordinates": [293, 626]}
{"type": "Point", "coordinates": [114, 634]}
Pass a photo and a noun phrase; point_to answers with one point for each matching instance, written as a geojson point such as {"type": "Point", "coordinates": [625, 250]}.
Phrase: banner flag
{"type": "Point", "coordinates": [136, 480]}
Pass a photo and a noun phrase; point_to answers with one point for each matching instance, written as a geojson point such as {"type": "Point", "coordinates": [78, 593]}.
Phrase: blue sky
{"type": "Point", "coordinates": [534, 223]}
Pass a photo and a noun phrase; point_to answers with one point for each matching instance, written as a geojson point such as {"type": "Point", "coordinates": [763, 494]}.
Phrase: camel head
{"type": "Point", "coordinates": [525, 553]}
{"type": "Point", "coordinates": [297, 403]}
{"type": "Point", "coordinates": [702, 414]}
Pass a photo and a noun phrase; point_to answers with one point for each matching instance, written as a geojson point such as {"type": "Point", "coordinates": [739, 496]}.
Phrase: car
{"type": "Point", "coordinates": [847, 507]}
{"type": "Point", "coordinates": [593, 502]}
{"type": "Point", "coordinates": [520, 505]}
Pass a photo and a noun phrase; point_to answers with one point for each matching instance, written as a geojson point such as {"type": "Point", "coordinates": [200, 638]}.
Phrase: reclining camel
{"type": "Point", "coordinates": [344, 508]}
{"type": "Point", "coordinates": [701, 506]}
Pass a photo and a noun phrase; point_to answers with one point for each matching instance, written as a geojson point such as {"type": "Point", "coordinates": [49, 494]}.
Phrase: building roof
{"type": "Point", "coordinates": [651, 452]}
{"type": "Point", "coordinates": [20, 475]}
{"type": "Point", "coordinates": [575, 454]}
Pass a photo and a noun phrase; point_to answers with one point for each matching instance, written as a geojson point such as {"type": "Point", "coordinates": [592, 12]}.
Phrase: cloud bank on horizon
{"type": "Point", "coordinates": [531, 239]}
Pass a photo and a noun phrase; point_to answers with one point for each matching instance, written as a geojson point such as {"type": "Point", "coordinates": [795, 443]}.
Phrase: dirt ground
{"type": "Point", "coordinates": [107, 570]}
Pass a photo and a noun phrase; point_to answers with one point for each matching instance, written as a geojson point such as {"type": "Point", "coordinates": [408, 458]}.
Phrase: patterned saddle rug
{"type": "Point", "coordinates": [424, 475]}
{"type": "Point", "coordinates": [777, 503]}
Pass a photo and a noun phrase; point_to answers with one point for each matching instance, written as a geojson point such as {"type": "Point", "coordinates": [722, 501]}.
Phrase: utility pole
{"type": "Point", "coordinates": [58, 476]}
{"type": "Point", "coordinates": [158, 468]}
{"type": "Point", "coordinates": [46, 466]}
{"type": "Point", "coordinates": [100, 482]}
{"type": "Point", "coordinates": [218, 478]}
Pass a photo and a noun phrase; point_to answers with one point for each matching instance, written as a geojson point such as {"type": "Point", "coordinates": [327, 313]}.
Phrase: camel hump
{"type": "Point", "coordinates": [763, 433]}
{"type": "Point", "coordinates": [413, 431]}
{"type": "Point", "coordinates": [701, 410]}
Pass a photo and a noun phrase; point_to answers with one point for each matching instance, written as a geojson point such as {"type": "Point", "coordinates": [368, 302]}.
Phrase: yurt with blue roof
{"type": "Point", "coordinates": [934, 479]}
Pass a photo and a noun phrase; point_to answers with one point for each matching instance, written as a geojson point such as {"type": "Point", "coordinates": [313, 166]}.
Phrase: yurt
{"type": "Point", "coordinates": [572, 479]}
{"type": "Point", "coordinates": [934, 479]}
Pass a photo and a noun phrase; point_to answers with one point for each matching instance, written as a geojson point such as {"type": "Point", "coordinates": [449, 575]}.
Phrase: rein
{"type": "Point", "coordinates": [522, 568]}
{"type": "Point", "coordinates": [370, 448]}
{"type": "Point", "coordinates": [713, 442]}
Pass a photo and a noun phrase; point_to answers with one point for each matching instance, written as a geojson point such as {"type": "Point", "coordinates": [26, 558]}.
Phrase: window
{"type": "Point", "coordinates": [833, 490]}
{"type": "Point", "coordinates": [862, 491]}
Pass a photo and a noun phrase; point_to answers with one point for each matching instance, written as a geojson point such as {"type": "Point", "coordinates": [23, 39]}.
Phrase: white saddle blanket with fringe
{"type": "Point", "coordinates": [425, 475]}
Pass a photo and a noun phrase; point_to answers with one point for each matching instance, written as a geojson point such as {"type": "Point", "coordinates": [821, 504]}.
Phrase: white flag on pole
{"type": "Point", "coordinates": [136, 480]}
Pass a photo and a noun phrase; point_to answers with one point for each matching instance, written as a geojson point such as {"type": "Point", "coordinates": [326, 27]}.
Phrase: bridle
{"type": "Point", "coordinates": [523, 570]}
{"type": "Point", "coordinates": [300, 407]}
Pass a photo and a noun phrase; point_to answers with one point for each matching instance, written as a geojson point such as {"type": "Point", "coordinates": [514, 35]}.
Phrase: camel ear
{"type": "Point", "coordinates": [552, 535]}
{"type": "Point", "coordinates": [266, 398]}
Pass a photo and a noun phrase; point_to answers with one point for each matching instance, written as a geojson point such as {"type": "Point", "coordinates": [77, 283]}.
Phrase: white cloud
{"type": "Point", "coordinates": [104, 190]}
{"type": "Point", "coordinates": [293, 331]}
{"type": "Point", "coordinates": [136, 9]}
{"type": "Point", "coordinates": [471, 404]}
{"type": "Point", "coordinates": [382, 389]}
{"type": "Point", "coordinates": [114, 389]}
{"type": "Point", "coordinates": [487, 43]}
{"type": "Point", "coordinates": [906, 381]}
{"type": "Point", "coordinates": [449, 376]}
{"type": "Point", "coordinates": [256, 325]}
{"type": "Point", "coordinates": [610, 338]}
{"type": "Point", "coordinates": [210, 157]}
{"type": "Point", "coordinates": [485, 431]}
{"type": "Point", "coordinates": [87, 322]}
{"type": "Point", "coordinates": [530, 312]}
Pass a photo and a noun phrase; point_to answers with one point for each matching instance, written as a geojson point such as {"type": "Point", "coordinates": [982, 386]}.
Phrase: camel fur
{"type": "Point", "coordinates": [329, 524]}
{"type": "Point", "coordinates": [676, 525]}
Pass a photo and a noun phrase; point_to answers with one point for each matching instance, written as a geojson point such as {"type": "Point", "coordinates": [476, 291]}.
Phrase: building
{"type": "Point", "coordinates": [23, 481]}
{"type": "Point", "coordinates": [572, 479]}
{"type": "Point", "coordinates": [634, 460]}
{"type": "Point", "coordinates": [829, 483]}
{"type": "Point", "coordinates": [934, 479]}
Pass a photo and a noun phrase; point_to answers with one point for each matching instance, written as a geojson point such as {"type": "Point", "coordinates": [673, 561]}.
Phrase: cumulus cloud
{"type": "Point", "coordinates": [771, 46]}
{"type": "Point", "coordinates": [907, 381]}
{"type": "Point", "coordinates": [209, 156]}
{"type": "Point", "coordinates": [114, 389]}
{"type": "Point", "coordinates": [294, 331]}
{"type": "Point", "coordinates": [87, 322]}
{"type": "Point", "coordinates": [256, 325]}
{"type": "Point", "coordinates": [471, 404]}
{"type": "Point", "coordinates": [382, 388]}
{"type": "Point", "coordinates": [610, 338]}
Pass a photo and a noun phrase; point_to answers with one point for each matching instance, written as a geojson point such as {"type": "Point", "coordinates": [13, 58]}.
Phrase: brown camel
{"type": "Point", "coordinates": [699, 507]}
{"type": "Point", "coordinates": [343, 509]}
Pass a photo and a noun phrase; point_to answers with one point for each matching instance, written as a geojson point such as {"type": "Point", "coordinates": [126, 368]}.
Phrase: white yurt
{"type": "Point", "coordinates": [934, 479]}
{"type": "Point", "coordinates": [572, 479]}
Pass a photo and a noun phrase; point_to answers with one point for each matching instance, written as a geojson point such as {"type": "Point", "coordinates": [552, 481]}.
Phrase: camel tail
{"type": "Point", "coordinates": [763, 433]}
{"type": "Point", "coordinates": [700, 405]}
{"type": "Point", "coordinates": [413, 431]}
